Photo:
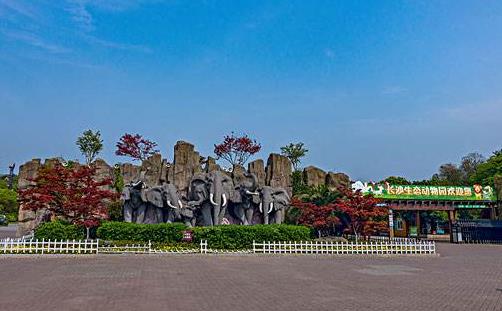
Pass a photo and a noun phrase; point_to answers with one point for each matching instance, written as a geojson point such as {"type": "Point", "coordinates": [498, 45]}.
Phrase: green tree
{"type": "Point", "coordinates": [294, 152]}
{"type": "Point", "coordinates": [396, 180]}
{"type": "Point", "coordinates": [90, 144]}
{"type": "Point", "coordinates": [486, 172]}
{"type": "Point", "coordinates": [8, 201]}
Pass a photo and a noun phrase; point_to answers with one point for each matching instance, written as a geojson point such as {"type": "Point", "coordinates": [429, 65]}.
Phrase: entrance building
{"type": "Point", "coordinates": [429, 211]}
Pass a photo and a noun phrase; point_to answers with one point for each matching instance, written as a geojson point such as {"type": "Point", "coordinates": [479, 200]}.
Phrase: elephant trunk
{"type": "Point", "coordinates": [265, 209]}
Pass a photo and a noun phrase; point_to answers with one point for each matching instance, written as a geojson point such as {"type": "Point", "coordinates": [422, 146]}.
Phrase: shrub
{"type": "Point", "coordinates": [219, 237]}
{"type": "Point", "coordinates": [58, 230]}
{"type": "Point", "coordinates": [165, 233]}
{"type": "Point", "coordinates": [241, 237]}
{"type": "Point", "coordinates": [115, 211]}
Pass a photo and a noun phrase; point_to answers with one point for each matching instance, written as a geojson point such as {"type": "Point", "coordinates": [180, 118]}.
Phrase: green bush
{"type": "Point", "coordinates": [166, 233]}
{"type": "Point", "coordinates": [219, 237]}
{"type": "Point", "coordinates": [58, 230]}
{"type": "Point", "coordinates": [115, 211]}
{"type": "Point", "coordinates": [242, 237]}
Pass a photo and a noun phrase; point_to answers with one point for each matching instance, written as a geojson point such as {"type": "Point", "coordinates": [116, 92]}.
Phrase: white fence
{"type": "Point", "coordinates": [339, 248]}
{"type": "Point", "coordinates": [22, 246]}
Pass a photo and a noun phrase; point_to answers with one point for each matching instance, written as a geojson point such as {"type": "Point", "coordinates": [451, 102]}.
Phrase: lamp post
{"type": "Point", "coordinates": [11, 176]}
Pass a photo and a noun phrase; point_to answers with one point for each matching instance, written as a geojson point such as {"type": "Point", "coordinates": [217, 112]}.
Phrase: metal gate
{"type": "Point", "coordinates": [477, 231]}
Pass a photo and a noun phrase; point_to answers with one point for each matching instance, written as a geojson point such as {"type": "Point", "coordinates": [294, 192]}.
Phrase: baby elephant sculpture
{"type": "Point", "coordinates": [245, 195]}
{"type": "Point", "coordinates": [150, 205]}
{"type": "Point", "coordinates": [273, 204]}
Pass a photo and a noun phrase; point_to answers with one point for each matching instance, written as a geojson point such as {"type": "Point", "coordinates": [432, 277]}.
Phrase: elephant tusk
{"type": "Point", "coordinates": [251, 193]}
{"type": "Point", "coordinates": [180, 204]}
{"type": "Point", "coordinates": [224, 200]}
{"type": "Point", "coordinates": [170, 205]}
{"type": "Point", "coordinates": [271, 208]}
{"type": "Point", "coordinates": [211, 199]}
{"type": "Point", "coordinates": [261, 207]}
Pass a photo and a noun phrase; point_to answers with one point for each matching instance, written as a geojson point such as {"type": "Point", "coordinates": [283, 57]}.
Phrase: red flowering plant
{"type": "Point", "coordinates": [361, 213]}
{"type": "Point", "coordinates": [136, 147]}
{"type": "Point", "coordinates": [72, 193]}
{"type": "Point", "coordinates": [321, 218]}
{"type": "Point", "coordinates": [236, 150]}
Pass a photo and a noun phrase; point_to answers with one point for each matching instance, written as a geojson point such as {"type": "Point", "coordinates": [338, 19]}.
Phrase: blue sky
{"type": "Point", "coordinates": [373, 88]}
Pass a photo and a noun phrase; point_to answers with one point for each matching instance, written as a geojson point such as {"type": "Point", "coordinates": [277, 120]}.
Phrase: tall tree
{"type": "Point", "coordinates": [396, 180]}
{"type": "Point", "coordinates": [470, 164]}
{"type": "Point", "coordinates": [486, 172]}
{"type": "Point", "coordinates": [236, 150]}
{"type": "Point", "coordinates": [90, 145]}
{"type": "Point", "coordinates": [136, 147]}
{"type": "Point", "coordinates": [69, 192]}
{"type": "Point", "coordinates": [451, 174]}
{"type": "Point", "coordinates": [361, 213]}
{"type": "Point", "coordinates": [294, 152]}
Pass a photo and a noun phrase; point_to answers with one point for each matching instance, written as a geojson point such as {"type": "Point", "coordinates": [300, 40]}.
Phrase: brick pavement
{"type": "Point", "coordinates": [463, 277]}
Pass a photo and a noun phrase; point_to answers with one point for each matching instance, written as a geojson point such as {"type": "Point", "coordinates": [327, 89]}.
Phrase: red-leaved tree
{"type": "Point", "coordinates": [361, 213]}
{"type": "Point", "coordinates": [321, 218]}
{"type": "Point", "coordinates": [72, 193]}
{"type": "Point", "coordinates": [136, 147]}
{"type": "Point", "coordinates": [236, 150]}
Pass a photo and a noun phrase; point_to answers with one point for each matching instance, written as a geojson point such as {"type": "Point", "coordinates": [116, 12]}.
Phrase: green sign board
{"type": "Point", "coordinates": [412, 192]}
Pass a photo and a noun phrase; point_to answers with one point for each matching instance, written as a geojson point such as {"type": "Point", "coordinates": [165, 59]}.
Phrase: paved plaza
{"type": "Point", "coordinates": [463, 277]}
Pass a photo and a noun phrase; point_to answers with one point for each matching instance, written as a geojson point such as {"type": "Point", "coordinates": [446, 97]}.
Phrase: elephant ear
{"type": "Point", "coordinates": [236, 195]}
{"type": "Point", "coordinates": [228, 184]}
{"type": "Point", "coordinates": [154, 196]}
{"type": "Point", "coordinates": [281, 196]}
{"type": "Point", "coordinates": [126, 194]}
{"type": "Point", "coordinates": [256, 199]}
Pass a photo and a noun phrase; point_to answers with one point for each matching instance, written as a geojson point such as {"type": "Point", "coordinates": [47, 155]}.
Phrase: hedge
{"type": "Point", "coordinates": [218, 237]}
{"type": "Point", "coordinates": [242, 237]}
{"type": "Point", "coordinates": [58, 230]}
{"type": "Point", "coordinates": [123, 231]}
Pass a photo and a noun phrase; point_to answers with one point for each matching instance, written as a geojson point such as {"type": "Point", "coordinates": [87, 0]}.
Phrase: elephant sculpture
{"type": "Point", "coordinates": [172, 203]}
{"type": "Point", "coordinates": [150, 205]}
{"type": "Point", "coordinates": [244, 197]}
{"type": "Point", "coordinates": [273, 204]}
{"type": "Point", "coordinates": [210, 193]}
{"type": "Point", "coordinates": [134, 197]}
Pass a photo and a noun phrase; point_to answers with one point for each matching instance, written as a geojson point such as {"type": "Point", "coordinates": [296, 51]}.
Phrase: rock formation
{"type": "Point", "coordinates": [337, 180]}
{"type": "Point", "coordinates": [278, 172]}
{"type": "Point", "coordinates": [313, 176]}
{"type": "Point", "coordinates": [186, 164]}
{"type": "Point", "coordinates": [257, 167]}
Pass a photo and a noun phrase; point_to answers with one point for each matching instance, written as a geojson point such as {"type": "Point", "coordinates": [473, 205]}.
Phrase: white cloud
{"type": "Point", "coordinates": [18, 8]}
{"type": "Point", "coordinates": [118, 45]}
{"type": "Point", "coordinates": [80, 14]}
{"type": "Point", "coordinates": [34, 40]}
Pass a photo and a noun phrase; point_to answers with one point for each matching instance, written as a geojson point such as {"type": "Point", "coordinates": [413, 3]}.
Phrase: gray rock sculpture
{"type": "Point", "coordinates": [245, 197]}
{"type": "Point", "coordinates": [210, 193]}
{"type": "Point", "coordinates": [273, 204]}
